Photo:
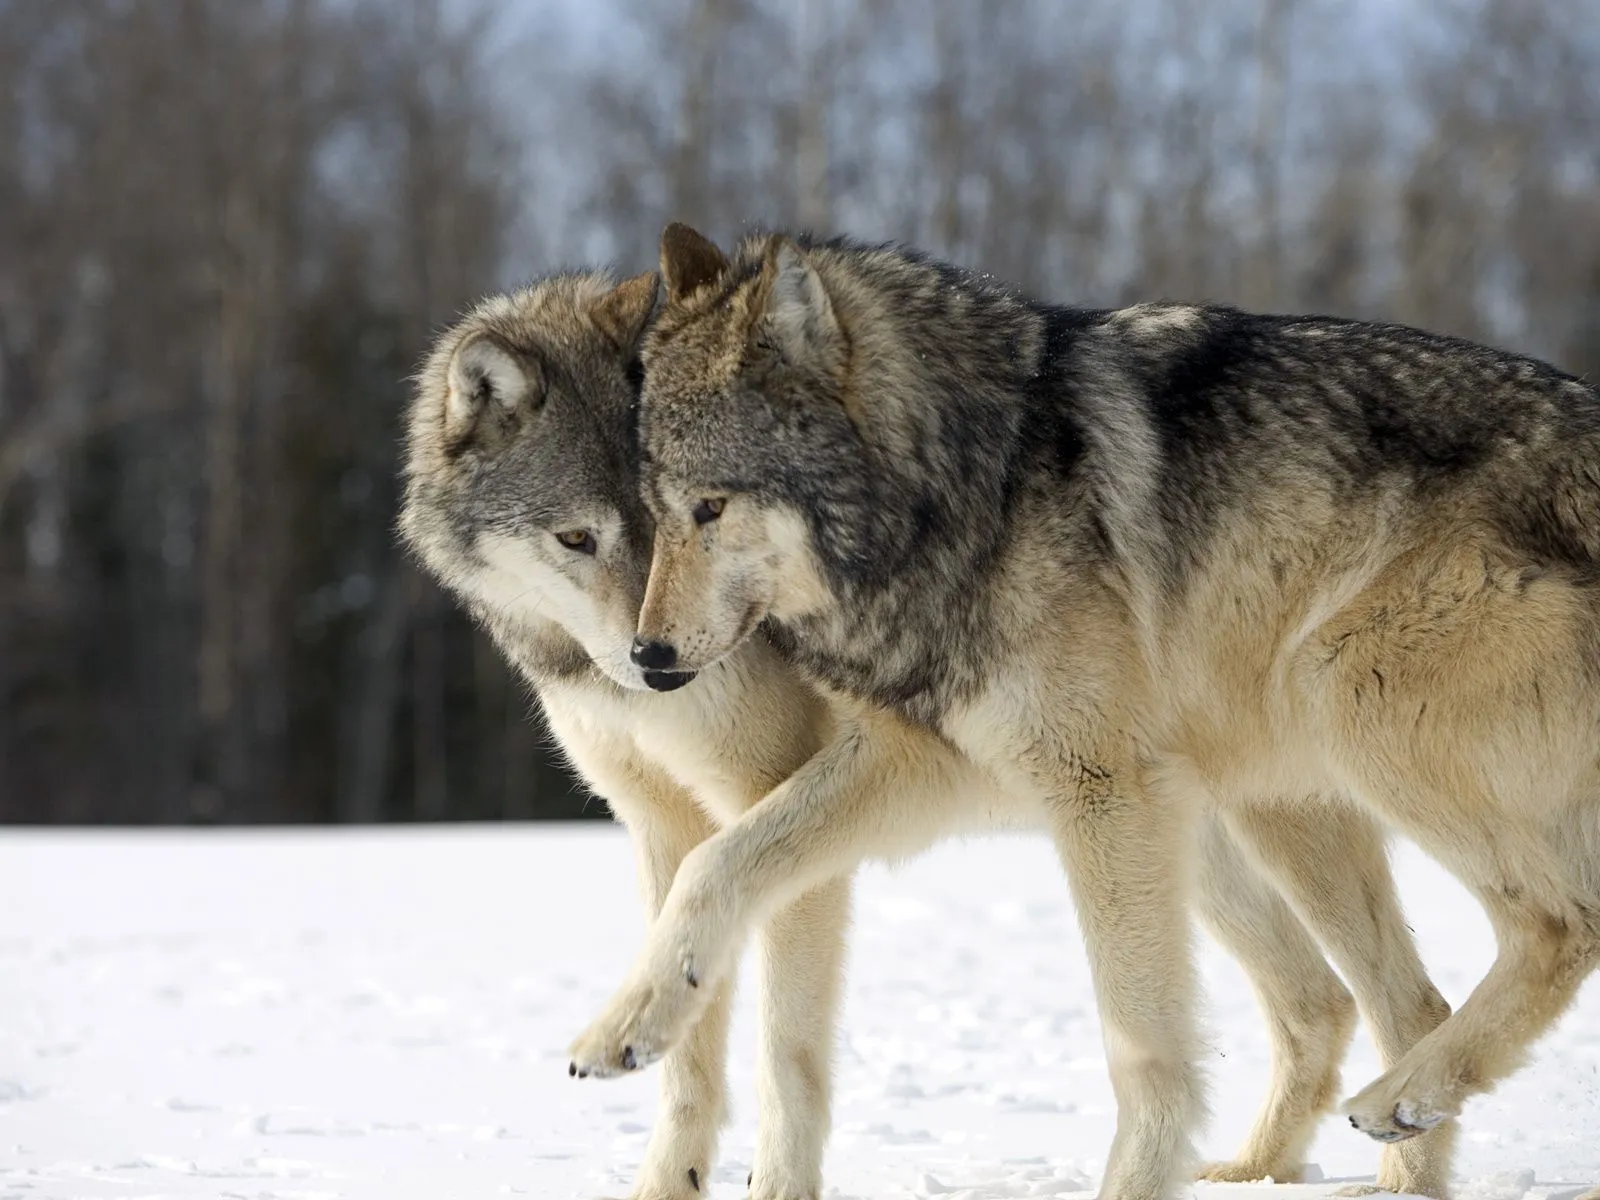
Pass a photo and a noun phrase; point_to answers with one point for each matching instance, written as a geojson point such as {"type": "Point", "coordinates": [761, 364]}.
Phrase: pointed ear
{"type": "Point", "coordinates": [483, 373]}
{"type": "Point", "coordinates": [622, 312]}
{"type": "Point", "coordinates": [799, 313]}
{"type": "Point", "coordinates": [688, 261]}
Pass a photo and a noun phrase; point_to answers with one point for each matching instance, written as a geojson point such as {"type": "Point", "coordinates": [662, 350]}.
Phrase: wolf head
{"type": "Point", "coordinates": [753, 471]}
{"type": "Point", "coordinates": [522, 485]}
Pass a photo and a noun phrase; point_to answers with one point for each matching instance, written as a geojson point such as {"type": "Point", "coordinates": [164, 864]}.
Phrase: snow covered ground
{"type": "Point", "coordinates": [384, 1016]}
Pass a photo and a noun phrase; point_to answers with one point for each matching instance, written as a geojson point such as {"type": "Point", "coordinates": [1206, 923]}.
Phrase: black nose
{"type": "Point", "coordinates": [654, 656]}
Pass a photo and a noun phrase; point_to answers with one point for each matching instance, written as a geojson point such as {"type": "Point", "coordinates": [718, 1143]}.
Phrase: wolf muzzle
{"type": "Point", "coordinates": [658, 660]}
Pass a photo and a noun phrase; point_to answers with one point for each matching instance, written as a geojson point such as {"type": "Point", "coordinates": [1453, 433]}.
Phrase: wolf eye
{"type": "Point", "coordinates": [708, 510]}
{"type": "Point", "coordinates": [580, 540]}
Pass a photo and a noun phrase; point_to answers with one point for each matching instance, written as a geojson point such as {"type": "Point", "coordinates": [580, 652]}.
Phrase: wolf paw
{"type": "Point", "coordinates": [680, 1185]}
{"type": "Point", "coordinates": [780, 1192]}
{"type": "Point", "coordinates": [668, 1183]}
{"type": "Point", "coordinates": [1245, 1171]}
{"type": "Point", "coordinates": [643, 1021]}
{"type": "Point", "coordinates": [1392, 1111]}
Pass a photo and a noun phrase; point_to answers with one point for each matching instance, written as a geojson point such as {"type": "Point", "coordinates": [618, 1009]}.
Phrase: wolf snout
{"type": "Point", "coordinates": [652, 655]}
{"type": "Point", "coordinates": [657, 660]}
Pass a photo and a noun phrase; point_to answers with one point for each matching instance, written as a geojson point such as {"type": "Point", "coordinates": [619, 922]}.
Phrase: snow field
{"type": "Point", "coordinates": [384, 1014]}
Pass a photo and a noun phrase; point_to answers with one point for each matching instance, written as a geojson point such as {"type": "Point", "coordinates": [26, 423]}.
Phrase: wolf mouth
{"type": "Point", "coordinates": [667, 681]}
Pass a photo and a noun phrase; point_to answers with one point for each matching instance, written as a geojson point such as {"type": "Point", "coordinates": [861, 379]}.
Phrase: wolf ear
{"type": "Point", "coordinates": [622, 312]}
{"type": "Point", "coordinates": [799, 313]}
{"type": "Point", "coordinates": [484, 373]}
{"type": "Point", "coordinates": [688, 261]}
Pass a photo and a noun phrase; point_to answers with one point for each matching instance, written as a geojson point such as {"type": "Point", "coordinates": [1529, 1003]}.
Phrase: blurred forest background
{"type": "Point", "coordinates": [228, 227]}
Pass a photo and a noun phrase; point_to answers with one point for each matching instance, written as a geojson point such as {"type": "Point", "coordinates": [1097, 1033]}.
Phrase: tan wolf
{"type": "Point", "coordinates": [522, 495]}
{"type": "Point", "coordinates": [1131, 563]}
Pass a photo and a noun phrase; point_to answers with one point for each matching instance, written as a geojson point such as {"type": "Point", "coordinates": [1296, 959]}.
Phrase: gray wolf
{"type": "Point", "coordinates": [523, 497]}
{"type": "Point", "coordinates": [1133, 564]}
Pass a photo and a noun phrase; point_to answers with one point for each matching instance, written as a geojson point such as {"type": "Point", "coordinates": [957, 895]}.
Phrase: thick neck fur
{"type": "Point", "coordinates": [955, 388]}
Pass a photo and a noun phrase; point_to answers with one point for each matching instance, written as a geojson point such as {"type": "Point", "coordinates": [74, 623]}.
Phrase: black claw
{"type": "Point", "coordinates": [694, 1179]}
{"type": "Point", "coordinates": [750, 1179]}
{"type": "Point", "coordinates": [1354, 1124]}
{"type": "Point", "coordinates": [572, 1068]}
{"type": "Point", "coordinates": [693, 979]}
{"type": "Point", "coordinates": [628, 1060]}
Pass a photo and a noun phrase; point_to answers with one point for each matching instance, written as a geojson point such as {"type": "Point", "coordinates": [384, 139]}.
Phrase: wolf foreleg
{"type": "Point", "coordinates": [801, 968]}
{"type": "Point", "coordinates": [1125, 853]}
{"type": "Point", "coordinates": [665, 825]}
{"type": "Point", "coordinates": [880, 788]}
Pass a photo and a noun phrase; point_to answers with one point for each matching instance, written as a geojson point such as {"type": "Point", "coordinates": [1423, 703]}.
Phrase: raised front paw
{"type": "Point", "coordinates": [1400, 1106]}
{"type": "Point", "coordinates": [644, 1020]}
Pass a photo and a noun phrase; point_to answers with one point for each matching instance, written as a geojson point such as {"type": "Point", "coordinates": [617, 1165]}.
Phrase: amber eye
{"type": "Point", "coordinates": [708, 510]}
{"type": "Point", "coordinates": [580, 540]}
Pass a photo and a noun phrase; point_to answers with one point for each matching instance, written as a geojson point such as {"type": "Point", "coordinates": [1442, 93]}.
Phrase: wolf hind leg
{"type": "Point", "coordinates": [1329, 861]}
{"type": "Point", "coordinates": [1547, 950]}
{"type": "Point", "coordinates": [1310, 1014]}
